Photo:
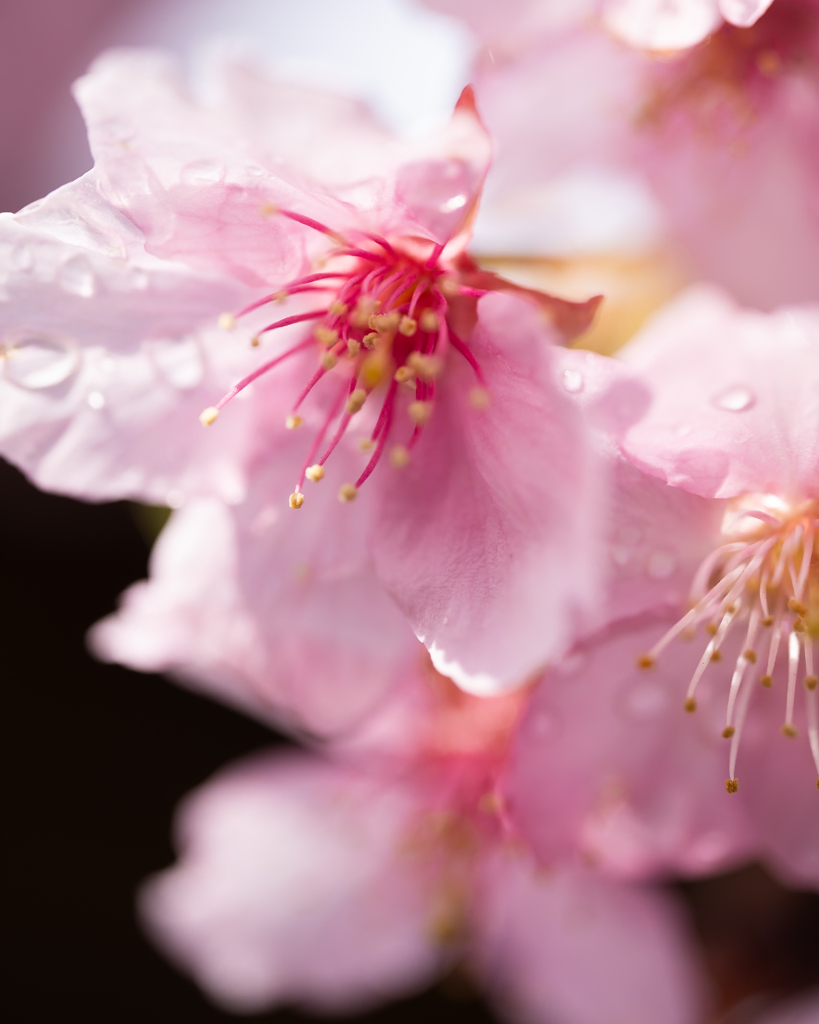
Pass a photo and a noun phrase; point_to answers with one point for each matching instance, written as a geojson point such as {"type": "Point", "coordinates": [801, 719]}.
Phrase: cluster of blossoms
{"type": "Point", "coordinates": [530, 609]}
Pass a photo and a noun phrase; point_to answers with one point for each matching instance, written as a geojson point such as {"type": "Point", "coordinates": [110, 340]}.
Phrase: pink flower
{"type": "Point", "coordinates": [337, 885]}
{"type": "Point", "coordinates": [677, 24]}
{"type": "Point", "coordinates": [730, 516]}
{"type": "Point", "coordinates": [391, 346]}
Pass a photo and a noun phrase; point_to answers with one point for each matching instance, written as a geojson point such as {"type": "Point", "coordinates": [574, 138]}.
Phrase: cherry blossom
{"type": "Point", "coordinates": [335, 884]}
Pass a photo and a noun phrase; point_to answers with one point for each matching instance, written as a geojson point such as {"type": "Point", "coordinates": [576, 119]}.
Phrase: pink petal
{"type": "Point", "coordinates": [488, 540]}
{"type": "Point", "coordinates": [661, 24]}
{"type": "Point", "coordinates": [743, 12]}
{"type": "Point", "coordinates": [563, 945]}
{"type": "Point", "coordinates": [292, 887]}
{"type": "Point", "coordinates": [734, 407]}
{"type": "Point", "coordinates": [641, 783]}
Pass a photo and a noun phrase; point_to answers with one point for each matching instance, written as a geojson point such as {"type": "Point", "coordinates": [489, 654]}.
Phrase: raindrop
{"type": "Point", "coordinates": [734, 399]}
{"type": "Point", "coordinates": [660, 565]}
{"type": "Point", "coordinates": [455, 203]}
{"type": "Point", "coordinates": [77, 277]}
{"type": "Point", "coordinates": [572, 381]}
{"type": "Point", "coordinates": [202, 172]}
{"type": "Point", "coordinates": [96, 399]}
{"type": "Point", "coordinates": [36, 361]}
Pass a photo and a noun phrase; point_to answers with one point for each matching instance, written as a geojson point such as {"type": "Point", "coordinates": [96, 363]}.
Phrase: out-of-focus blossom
{"type": "Point", "coordinates": [712, 148]}
{"type": "Point", "coordinates": [392, 346]}
{"type": "Point", "coordinates": [677, 24]}
{"type": "Point", "coordinates": [336, 885]}
{"type": "Point", "coordinates": [730, 515]}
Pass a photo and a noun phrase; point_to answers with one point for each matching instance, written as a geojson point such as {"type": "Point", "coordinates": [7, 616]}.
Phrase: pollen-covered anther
{"type": "Point", "coordinates": [327, 336]}
{"type": "Point", "coordinates": [404, 374]}
{"type": "Point", "coordinates": [728, 732]}
{"type": "Point", "coordinates": [789, 730]}
{"type": "Point", "coordinates": [338, 308]}
{"type": "Point", "coordinates": [353, 347]}
{"type": "Point", "coordinates": [296, 500]}
{"type": "Point", "coordinates": [449, 286]}
{"type": "Point", "coordinates": [799, 625]}
{"type": "Point", "coordinates": [749, 656]}
{"type": "Point", "coordinates": [356, 401]}
{"type": "Point", "coordinates": [428, 321]}
{"type": "Point", "coordinates": [329, 360]}
{"type": "Point", "coordinates": [810, 682]}
{"type": "Point", "coordinates": [690, 705]}
{"type": "Point", "coordinates": [255, 341]}
{"type": "Point", "coordinates": [227, 321]}
{"type": "Point", "coordinates": [797, 606]}
{"type": "Point", "coordinates": [293, 422]}
{"type": "Point", "coordinates": [768, 620]}
{"type": "Point", "coordinates": [420, 412]}
{"type": "Point", "coordinates": [384, 323]}
{"type": "Point", "coordinates": [209, 415]}
{"type": "Point", "coordinates": [280, 296]}
{"type": "Point", "coordinates": [731, 785]}
{"type": "Point", "coordinates": [428, 368]}
{"type": "Point", "coordinates": [366, 444]}
{"type": "Point", "coordinates": [347, 493]}
{"type": "Point", "coordinates": [314, 473]}
{"type": "Point", "coordinates": [479, 398]}
{"type": "Point", "coordinates": [399, 457]}
{"type": "Point", "coordinates": [407, 326]}
{"type": "Point", "coordinates": [716, 654]}
{"type": "Point", "coordinates": [766, 681]}
{"type": "Point", "coordinates": [370, 340]}
{"type": "Point", "coordinates": [646, 661]}
{"type": "Point", "coordinates": [711, 628]}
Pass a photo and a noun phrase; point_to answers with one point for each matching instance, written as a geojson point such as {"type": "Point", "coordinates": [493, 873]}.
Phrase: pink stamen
{"type": "Point", "coordinates": [243, 383]}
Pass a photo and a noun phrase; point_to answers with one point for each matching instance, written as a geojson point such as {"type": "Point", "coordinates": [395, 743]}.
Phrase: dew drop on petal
{"type": "Point", "coordinates": [660, 565]}
{"type": "Point", "coordinates": [572, 381]}
{"type": "Point", "coordinates": [455, 203]}
{"type": "Point", "coordinates": [36, 361]}
{"type": "Point", "coordinates": [76, 277]}
{"type": "Point", "coordinates": [734, 399]}
{"type": "Point", "coordinates": [96, 399]}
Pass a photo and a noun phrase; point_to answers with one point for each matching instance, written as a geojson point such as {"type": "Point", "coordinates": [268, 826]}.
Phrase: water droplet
{"type": "Point", "coordinates": [734, 399]}
{"type": "Point", "coordinates": [202, 172]}
{"type": "Point", "coordinates": [174, 499]}
{"type": "Point", "coordinates": [180, 361]}
{"type": "Point", "coordinates": [77, 277]}
{"type": "Point", "coordinates": [96, 399]}
{"type": "Point", "coordinates": [35, 361]}
{"type": "Point", "coordinates": [572, 381]}
{"type": "Point", "coordinates": [455, 203]}
{"type": "Point", "coordinates": [660, 565]}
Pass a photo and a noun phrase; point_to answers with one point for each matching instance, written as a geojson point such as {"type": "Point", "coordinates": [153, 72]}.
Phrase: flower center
{"type": "Point", "coordinates": [763, 579]}
{"type": "Point", "coordinates": [723, 82]}
{"type": "Point", "coordinates": [381, 326]}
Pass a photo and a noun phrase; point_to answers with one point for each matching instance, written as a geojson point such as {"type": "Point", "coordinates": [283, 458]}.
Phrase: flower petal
{"type": "Point", "coordinates": [292, 887]}
{"type": "Point", "coordinates": [662, 24]}
{"type": "Point", "coordinates": [743, 12]}
{"type": "Point", "coordinates": [569, 945]}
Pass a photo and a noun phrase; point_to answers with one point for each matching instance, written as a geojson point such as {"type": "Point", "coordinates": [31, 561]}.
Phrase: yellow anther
{"type": "Point", "coordinates": [768, 620]}
{"type": "Point", "coordinates": [366, 444]}
{"type": "Point", "coordinates": [645, 661]}
{"type": "Point", "coordinates": [789, 730]}
{"type": "Point", "coordinates": [407, 326]}
{"type": "Point", "coordinates": [384, 323]}
{"type": "Point", "coordinates": [769, 63]}
{"type": "Point", "coordinates": [448, 285]}
{"type": "Point", "coordinates": [269, 209]}
{"type": "Point", "coordinates": [479, 398]}
{"type": "Point", "coordinates": [716, 654]}
{"type": "Point", "coordinates": [326, 335]}
{"type": "Point", "coordinates": [255, 341]}
{"type": "Point", "coordinates": [403, 374]}
{"type": "Point", "coordinates": [329, 360]}
{"type": "Point", "coordinates": [356, 401]}
{"type": "Point", "coordinates": [348, 492]}
{"type": "Point", "coordinates": [690, 705]}
{"type": "Point", "coordinates": [688, 634]}
{"type": "Point", "coordinates": [399, 457]}
{"type": "Point", "coordinates": [227, 321]}
{"type": "Point", "coordinates": [749, 656]}
{"type": "Point", "coordinates": [420, 412]}
{"type": "Point", "coordinates": [711, 628]}
{"type": "Point", "coordinates": [427, 367]}
{"type": "Point", "coordinates": [766, 681]}
{"type": "Point", "coordinates": [280, 296]}
{"type": "Point", "coordinates": [293, 422]}
{"type": "Point", "coordinates": [732, 785]}
{"type": "Point", "coordinates": [428, 320]}
{"type": "Point", "coordinates": [799, 625]}
{"type": "Point", "coordinates": [353, 347]}
{"type": "Point", "coordinates": [369, 340]}
{"type": "Point", "coordinates": [296, 500]}
{"type": "Point", "coordinates": [797, 606]}
{"type": "Point", "coordinates": [376, 367]}
{"type": "Point", "coordinates": [314, 473]}
{"type": "Point", "coordinates": [338, 308]}
{"type": "Point", "coordinates": [810, 682]}
{"type": "Point", "coordinates": [728, 732]}
{"type": "Point", "coordinates": [209, 415]}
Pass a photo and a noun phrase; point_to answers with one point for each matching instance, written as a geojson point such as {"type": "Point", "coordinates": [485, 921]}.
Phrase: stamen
{"type": "Point", "coordinates": [789, 729]}
{"type": "Point", "coordinates": [208, 416]}
{"type": "Point", "coordinates": [348, 493]}
{"type": "Point", "coordinates": [296, 500]}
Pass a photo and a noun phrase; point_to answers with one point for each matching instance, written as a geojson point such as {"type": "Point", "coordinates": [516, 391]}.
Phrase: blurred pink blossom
{"type": "Point", "coordinates": [336, 885]}
{"type": "Point", "coordinates": [482, 529]}
{"type": "Point", "coordinates": [729, 515]}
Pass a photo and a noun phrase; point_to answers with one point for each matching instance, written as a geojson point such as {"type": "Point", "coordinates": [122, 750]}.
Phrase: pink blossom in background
{"type": "Point", "coordinates": [728, 515]}
{"type": "Point", "coordinates": [676, 24]}
{"type": "Point", "coordinates": [426, 384]}
{"type": "Point", "coordinates": [333, 886]}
